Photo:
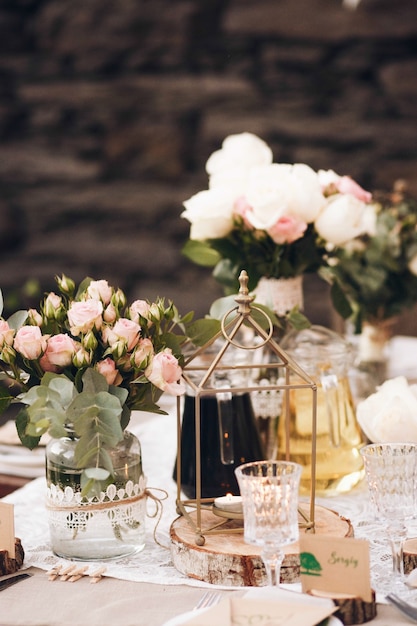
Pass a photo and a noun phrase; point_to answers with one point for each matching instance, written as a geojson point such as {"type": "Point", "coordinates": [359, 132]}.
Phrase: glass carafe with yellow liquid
{"type": "Point", "coordinates": [325, 356]}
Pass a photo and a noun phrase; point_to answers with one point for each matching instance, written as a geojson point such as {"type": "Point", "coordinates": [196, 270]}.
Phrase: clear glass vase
{"type": "Point", "coordinates": [107, 523]}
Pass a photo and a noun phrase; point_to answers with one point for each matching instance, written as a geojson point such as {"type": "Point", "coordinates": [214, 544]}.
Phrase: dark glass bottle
{"type": "Point", "coordinates": [217, 477]}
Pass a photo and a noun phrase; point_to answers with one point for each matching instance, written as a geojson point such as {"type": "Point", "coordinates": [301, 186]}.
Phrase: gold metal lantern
{"type": "Point", "coordinates": [229, 366]}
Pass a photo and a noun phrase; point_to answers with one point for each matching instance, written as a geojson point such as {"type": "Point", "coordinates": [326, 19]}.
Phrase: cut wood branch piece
{"type": "Point", "coordinates": [10, 565]}
{"type": "Point", "coordinates": [350, 610]}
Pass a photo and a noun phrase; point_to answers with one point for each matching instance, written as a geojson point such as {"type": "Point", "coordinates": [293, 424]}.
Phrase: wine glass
{"type": "Point", "coordinates": [391, 473]}
{"type": "Point", "coordinates": [269, 491]}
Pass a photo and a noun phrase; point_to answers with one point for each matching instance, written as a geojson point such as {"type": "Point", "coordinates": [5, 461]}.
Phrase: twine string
{"type": "Point", "coordinates": [159, 507]}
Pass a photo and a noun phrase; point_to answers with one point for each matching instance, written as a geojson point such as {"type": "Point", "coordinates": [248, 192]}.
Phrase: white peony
{"type": "Point", "coordinates": [241, 151]}
{"type": "Point", "coordinates": [343, 218]}
{"type": "Point", "coordinates": [210, 213]}
{"type": "Point", "coordinates": [390, 414]}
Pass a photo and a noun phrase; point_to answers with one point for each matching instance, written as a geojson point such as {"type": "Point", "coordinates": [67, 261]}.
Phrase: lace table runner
{"type": "Point", "coordinates": [157, 434]}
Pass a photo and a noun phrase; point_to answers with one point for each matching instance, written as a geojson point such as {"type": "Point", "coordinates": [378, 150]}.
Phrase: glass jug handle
{"type": "Point", "coordinates": [330, 386]}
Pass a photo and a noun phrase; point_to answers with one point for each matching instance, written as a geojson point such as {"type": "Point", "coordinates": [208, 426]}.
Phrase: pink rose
{"type": "Point", "coordinates": [332, 183]}
{"type": "Point", "coordinates": [110, 314]}
{"type": "Point", "coordinates": [164, 372]}
{"type": "Point", "coordinates": [100, 290]}
{"type": "Point", "coordinates": [348, 185]}
{"type": "Point", "coordinates": [30, 342]}
{"type": "Point", "coordinates": [82, 357]}
{"type": "Point", "coordinates": [52, 305]}
{"type": "Point", "coordinates": [59, 352]}
{"type": "Point", "coordinates": [242, 208]}
{"type": "Point", "coordinates": [143, 351]}
{"type": "Point", "coordinates": [108, 369]}
{"type": "Point", "coordinates": [6, 334]}
{"type": "Point", "coordinates": [35, 318]}
{"type": "Point", "coordinates": [287, 229]}
{"type": "Point", "coordinates": [139, 307]}
{"type": "Point", "coordinates": [125, 330]}
{"type": "Point", "coordinates": [84, 316]}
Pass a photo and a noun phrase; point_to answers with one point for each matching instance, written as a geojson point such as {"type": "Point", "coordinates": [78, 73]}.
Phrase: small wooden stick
{"type": "Point", "coordinates": [54, 572]}
{"type": "Point", "coordinates": [77, 574]}
{"type": "Point", "coordinates": [67, 572]}
{"type": "Point", "coordinates": [96, 576]}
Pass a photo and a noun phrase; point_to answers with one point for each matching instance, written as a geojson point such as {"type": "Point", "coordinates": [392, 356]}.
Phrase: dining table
{"type": "Point", "coordinates": [146, 589]}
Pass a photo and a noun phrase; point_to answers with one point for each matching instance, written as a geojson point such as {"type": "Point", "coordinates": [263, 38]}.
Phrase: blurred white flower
{"type": "Point", "coordinates": [390, 414]}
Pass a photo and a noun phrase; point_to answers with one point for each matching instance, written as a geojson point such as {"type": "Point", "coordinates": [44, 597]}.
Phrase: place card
{"type": "Point", "coordinates": [335, 565]}
{"type": "Point", "coordinates": [7, 539]}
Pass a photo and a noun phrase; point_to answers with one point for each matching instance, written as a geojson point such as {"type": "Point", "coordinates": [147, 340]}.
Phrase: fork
{"type": "Point", "coordinates": [407, 609]}
{"type": "Point", "coordinates": [210, 598]}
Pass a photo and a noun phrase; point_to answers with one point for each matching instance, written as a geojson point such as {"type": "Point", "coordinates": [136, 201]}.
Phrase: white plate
{"type": "Point", "coordinates": [180, 619]}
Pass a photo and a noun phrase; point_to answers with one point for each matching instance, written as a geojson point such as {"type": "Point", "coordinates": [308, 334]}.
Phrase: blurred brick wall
{"type": "Point", "coordinates": [110, 108]}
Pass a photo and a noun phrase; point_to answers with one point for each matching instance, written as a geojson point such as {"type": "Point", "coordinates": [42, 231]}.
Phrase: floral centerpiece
{"type": "Point", "coordinates": [84, 361]}
{"type": "Point", "coordinates": [374, 277]}
{"type": "Point", "coordinates": [274, 220]}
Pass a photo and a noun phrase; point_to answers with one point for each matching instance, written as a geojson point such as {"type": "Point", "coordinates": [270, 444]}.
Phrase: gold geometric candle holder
{"type": "Point", "coordinates": [200, 371]}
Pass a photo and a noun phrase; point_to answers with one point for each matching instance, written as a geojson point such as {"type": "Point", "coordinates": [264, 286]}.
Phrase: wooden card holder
{"type": "Point", "coordinates": [410, 555]}
{"type": "Point", "coordinates": [350, 610]}
{"type": "Point", "coordinates": [9, 565]}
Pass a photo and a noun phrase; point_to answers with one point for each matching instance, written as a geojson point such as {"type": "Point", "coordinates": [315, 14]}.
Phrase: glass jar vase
{"type": "Point", "coordinates": [107, 522]}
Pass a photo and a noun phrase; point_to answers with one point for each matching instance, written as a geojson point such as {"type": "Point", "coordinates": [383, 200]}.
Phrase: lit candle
{"type": "Point", "coordinates": [230, 503]}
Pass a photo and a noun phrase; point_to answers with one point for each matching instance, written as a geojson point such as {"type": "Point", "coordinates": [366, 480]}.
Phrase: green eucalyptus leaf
{"type": "Point", "coordinates": [202, 331]}
{"type": "Point", "coordinates": [5, 399]}
{"type": "Point", "coordinates": [120, 392]}
{"type": "Point", "coordinates": [93, 381]}
{"type": "Point", "coordinates": [297, 319]}
{"type": "Point", "coordinates": [221, 306]}
{"type": "Point", "coordinates": [201, 253]}
{"type": "Point", "coordinates": [340, 301]}
{"type": "Point", "coordinates": [96, 473]}
{"type": "Point", "coordinates": [18, 319]}
{"type": "Point", "coordinates": [22, 420]}
{"type": "Point", "coordinates": [64, 387]}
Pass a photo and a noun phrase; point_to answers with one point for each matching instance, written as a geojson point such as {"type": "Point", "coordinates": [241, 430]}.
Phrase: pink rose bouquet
{"type": "Point", "coordinates": [275, 220]}
{"type": "Point", "coordinates": [86, 359]}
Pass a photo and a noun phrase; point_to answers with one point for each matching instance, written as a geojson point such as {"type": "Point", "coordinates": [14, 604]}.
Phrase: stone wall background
{"type": "Point", "coordinates": [110, 108]}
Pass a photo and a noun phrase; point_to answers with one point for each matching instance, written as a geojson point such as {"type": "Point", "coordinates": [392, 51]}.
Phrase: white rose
{"type": "Point", "coordinates": [241, 151]}
{"type": "Point", "coordinates": [279, 190]}
{"type": "Point", "coordinates": [390, 414]}
{"type": "Point", "coordinates": [308, 199]}
{"type": "Point", "coordinates": [210, 213]}
{"type": "Point", "coordinates": [343, 218]}
{"type": "Point", "coordinates": [412, 265]}
{"type": "Point", "coordinates": [268, 194]}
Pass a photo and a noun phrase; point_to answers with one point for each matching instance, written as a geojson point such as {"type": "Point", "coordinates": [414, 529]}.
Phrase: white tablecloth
{"type": "Point", "coordinates": [157, 434]}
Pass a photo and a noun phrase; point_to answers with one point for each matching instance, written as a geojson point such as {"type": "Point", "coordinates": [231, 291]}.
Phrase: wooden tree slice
{"type": "Point", "coordinates": [350, 610]}
{"type": "Point", "coordinates": [9, 565]}
{"type": "Point", "coordinates": [225, 559]}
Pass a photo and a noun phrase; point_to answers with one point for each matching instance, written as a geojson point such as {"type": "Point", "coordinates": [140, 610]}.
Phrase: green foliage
{"type": "Point", "coordinates": [96, 371]}
{"type": "Point", "coordinates": [257, 253]}
{"type": "Point", "coordinates": [372, 280]}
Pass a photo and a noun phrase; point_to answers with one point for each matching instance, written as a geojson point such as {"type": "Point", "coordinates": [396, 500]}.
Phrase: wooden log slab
{"type": "Point", "coordinates": [350, 610]}
{"type": "Point", "coordinates": [9, 565]}
{"type": "Point", "coordinates": [410, 555]}
{"type": "Point", "coordinates": [225, 559]}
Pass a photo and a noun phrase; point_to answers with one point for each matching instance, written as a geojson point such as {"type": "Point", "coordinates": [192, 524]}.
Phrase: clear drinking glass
{"type": "Point", "coordinates": [269, 491]}
{"type": "Point", "coordinates": [391, 473]}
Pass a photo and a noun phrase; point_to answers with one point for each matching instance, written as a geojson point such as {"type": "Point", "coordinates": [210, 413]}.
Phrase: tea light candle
{"type": "Point", "coordinates": [230, 503]}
